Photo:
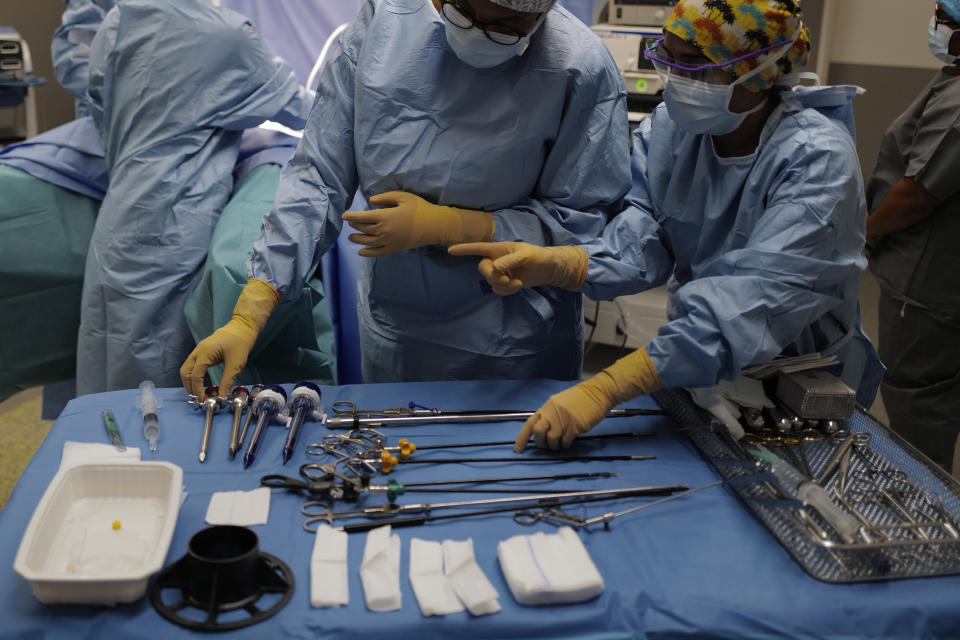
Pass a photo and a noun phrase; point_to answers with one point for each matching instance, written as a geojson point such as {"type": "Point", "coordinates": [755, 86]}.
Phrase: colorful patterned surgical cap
{"type": "Point", "coordinates": [727, 29]}
{"type": "Point", "coordinates": [530, 6]}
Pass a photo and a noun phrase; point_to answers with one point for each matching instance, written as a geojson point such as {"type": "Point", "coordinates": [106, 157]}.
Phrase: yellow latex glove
{"type": "Point", "coordinates": [510, 266]}
{"type": "Point", "coordinates": [413, 222]}
{"type": "Point", "coordinates": [578, 409]}
{"type": "Point", "coordinates": [231, 343]}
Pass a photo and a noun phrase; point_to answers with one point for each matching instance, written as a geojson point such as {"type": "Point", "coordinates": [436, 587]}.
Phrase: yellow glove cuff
{"type": "Point", "coordinates": [570, 266]}
{"type": "Point", "coordinates": [447, 226]}
{"type": "Point", "coordinates": [254, 306]}
{"type": "Point", "coordinates": [631, 376]}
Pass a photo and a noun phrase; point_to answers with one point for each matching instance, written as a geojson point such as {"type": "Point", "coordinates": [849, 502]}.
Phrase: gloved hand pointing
{"type": "Point", "coordinates": [413, 222]}
{"type": "Point", "coordinates": [510, 266]}
{"type": "Point", "coordinates": [578, 409]}
{"type": "Point", "coordinates": [231, 343]}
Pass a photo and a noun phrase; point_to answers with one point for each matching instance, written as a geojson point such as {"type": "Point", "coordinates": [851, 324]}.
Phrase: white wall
{"type": "Point", "coordinates": [881, 33]}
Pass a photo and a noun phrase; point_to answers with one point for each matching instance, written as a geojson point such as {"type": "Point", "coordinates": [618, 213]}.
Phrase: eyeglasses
{"type": "Point", "coordinates": [712, 72]}
{"type": "Point", "coordinates": [460, 15]}
{"type": "Point", "coordinates": [941, 17]}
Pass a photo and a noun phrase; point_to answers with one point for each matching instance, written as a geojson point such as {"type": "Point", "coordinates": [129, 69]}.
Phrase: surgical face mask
{"type": "Point", "coordinates": [473, 47]}
{"type": "Point", "coordinates": [939, 41]}
{"type": "Point", "coordinates": [704, 107]}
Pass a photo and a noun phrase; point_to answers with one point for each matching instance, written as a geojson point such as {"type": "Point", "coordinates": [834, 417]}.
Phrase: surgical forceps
{"type": "Point", "coordinates": [840, 460]}
{"type": "Point", "coordinates": [556, 515]}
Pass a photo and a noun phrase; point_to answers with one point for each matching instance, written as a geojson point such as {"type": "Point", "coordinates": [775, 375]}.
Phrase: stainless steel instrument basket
{"type": "Point", "coordinates": [908, 508]}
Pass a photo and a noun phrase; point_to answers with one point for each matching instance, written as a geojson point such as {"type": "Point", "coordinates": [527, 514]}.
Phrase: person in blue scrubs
{"type": "Point", "coordinates": [747, 200]}
{"type": "Point", "coordinates": [172, 84]}
{"type": "Point", "coordinates": [461, 119]}
{"type": "Point", "coordinates": [70, 46]}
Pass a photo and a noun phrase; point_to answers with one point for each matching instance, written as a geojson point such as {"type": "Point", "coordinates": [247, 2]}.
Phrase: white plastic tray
{"type": "Point", "coordinates": [100, 531]}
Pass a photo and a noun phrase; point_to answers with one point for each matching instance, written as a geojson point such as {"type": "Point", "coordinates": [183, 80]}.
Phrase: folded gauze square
{"type": "Point", "coordinates": [380, 570]}
{"type": "Point", "coordinates": [549, 568]}
{"type": "Point", "coordinates": [239, 508]}
{"type": "Point", "coordinates": [328, 568]}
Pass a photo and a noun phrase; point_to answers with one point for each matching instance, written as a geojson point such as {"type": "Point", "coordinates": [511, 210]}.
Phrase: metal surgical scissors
{"type": "Point", "coordinates": [313, 488]}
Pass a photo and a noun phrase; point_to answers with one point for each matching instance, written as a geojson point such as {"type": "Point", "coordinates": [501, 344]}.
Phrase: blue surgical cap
{"type": "Point", "coordinates": [952, 7]}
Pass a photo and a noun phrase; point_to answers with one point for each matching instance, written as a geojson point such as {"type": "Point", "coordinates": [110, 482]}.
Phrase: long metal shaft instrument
{"type": "Point", "coordinates": [405, 447]}
{"type": "Point", "coordinates": [388, 462]}
{"type": "Point", "coordinates": [446, 417]}
{"type": "Point", "coordinates": [612, 458]}
{"type": "Point", "coordinates": [555, 500]}
{"type": "Point", "coordinates": [557, 476]}
{"type": "Point", "coordinates": [254, 391]}
{"type": "Point", "coordinates": [238, 400]}
{"type": "Point", "coordinates": [330, 487]}
{"type": "Point", "coordinates": [607, 517]}
{"type": "Point", "coordinates": [211, 404]}
{"type": "Point", "coordinates": [391, 509]}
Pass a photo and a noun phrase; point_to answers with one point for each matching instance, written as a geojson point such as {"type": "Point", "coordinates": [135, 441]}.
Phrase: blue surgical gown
{"type": "Point", "coordinates": [541, 141]}
{"type": "Point", "coordinates": [763, 253]}
{"type": "Point", "coordinates": [70, 46]}
{"type": "Point", "coordinates": [172, 85]}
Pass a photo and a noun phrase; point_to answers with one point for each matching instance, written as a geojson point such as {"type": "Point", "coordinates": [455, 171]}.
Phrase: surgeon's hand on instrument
{"type": "Point", "coordinates": [231, 343]}
{"type": "Point", "coordinates": [510, 266]}
{"type": "Point", "coordinates": [413, 222]}
{"type": "Point", "coordinates": [578, 409]}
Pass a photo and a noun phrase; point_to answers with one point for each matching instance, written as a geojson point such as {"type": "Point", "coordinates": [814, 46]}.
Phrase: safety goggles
{"type": "Point", "coordinates": [460, 15]}
{"type": "Point", "coordinates": [712, 72]}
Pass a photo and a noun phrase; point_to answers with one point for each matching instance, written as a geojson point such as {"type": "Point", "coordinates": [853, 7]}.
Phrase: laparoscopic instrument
{"type": "Point", "coordinates": [508, 504]}
{"type": "Point", "coordinates": [211, 404]}
{"type": "Point", "coordinates": [148, 403]}
{"type": "Point", "coordinates": [267, 407]}
{"type": "Point", "coordinates": [304, 403]}
{"type": "Point", "coordinates": [238, 401]}
{"type": "Point", "coordinates": [254, 391]}
{"type": "Point", "coordinates": [329, 488]}
{"type": "Point", "coordinates": [388, 462]}
{"type": "Point", "coordinates": [347, 416]}
{"type": "Point", "coordinates": [558, 516]}
{"type": "Point", "coordinates": [372, 443]}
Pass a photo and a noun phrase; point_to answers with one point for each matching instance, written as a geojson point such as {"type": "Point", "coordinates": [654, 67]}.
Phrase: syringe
{"type": "Point", "coordinates": [149, 403]}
